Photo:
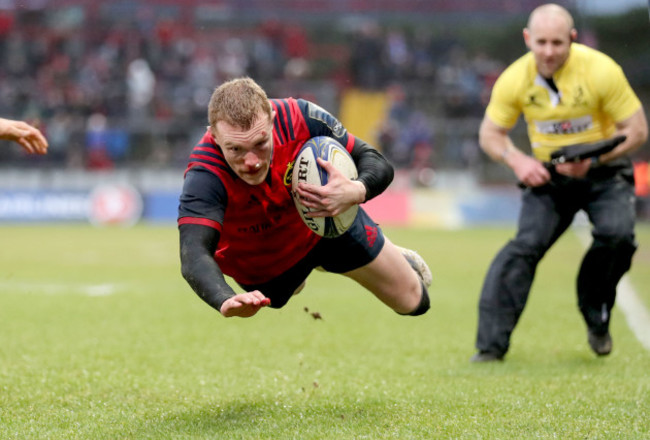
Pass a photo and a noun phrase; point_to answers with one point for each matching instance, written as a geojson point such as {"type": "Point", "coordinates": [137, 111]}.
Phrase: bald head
{"type": "Point", "coordinates": [550, 12]}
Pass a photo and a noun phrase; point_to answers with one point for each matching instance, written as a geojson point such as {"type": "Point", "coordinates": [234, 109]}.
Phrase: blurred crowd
{"type": "Point", "coordinates": [437, 92]}
{"type": "Point", "coordinates": [133, 92]}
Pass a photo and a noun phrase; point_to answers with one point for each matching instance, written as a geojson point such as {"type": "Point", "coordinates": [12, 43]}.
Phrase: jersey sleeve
{"type": "Point", "coordinates": [504, 107]}
{"type": "Point", "coordinates": [375, 172]}
{"type": "Point", "coordinates": [618, 99]}
{"type": "Point", "coordinates": [203, 199]}
{"type": "Point", "coordinates": [322, 123]}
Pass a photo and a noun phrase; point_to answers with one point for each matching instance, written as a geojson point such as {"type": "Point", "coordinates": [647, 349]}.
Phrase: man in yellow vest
{"type": "Point", "coordinates": [568, 94]}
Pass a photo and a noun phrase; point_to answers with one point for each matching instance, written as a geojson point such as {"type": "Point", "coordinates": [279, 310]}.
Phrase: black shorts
{"type": "Point", "coordinates": [357, 247]}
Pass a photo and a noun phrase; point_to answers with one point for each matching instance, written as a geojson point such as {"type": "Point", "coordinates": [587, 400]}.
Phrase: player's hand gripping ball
{"type": "Point", "coordinates": [306, 169]}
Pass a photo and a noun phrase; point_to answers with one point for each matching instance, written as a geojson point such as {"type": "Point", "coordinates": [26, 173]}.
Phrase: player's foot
{"type": "Point", "coordinates": [486, 356]}
{"type": "Point", "coordinates": [418, 264]}
{"type": "Point", "coordinates": [601, 344]}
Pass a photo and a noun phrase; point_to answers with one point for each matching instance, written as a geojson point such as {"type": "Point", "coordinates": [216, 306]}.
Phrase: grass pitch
{"type": "Point", "coordinates": [102, 339]}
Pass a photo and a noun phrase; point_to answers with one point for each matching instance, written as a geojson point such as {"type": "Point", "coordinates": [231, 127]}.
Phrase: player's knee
{"type": "Point", "coordinates": [422, 306]}
{"type": "Point", "coordinates": [612, 241]}
{"type": "Point", "coordinates": [608, 248]}
{"type": "Point", "coordinates": [529, 249]}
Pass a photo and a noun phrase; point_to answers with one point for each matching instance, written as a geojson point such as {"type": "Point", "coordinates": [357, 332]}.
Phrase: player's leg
{"type": "Point", "coordinates": [392, 280]}
{"type": "Point", "coordinates": [365, 255]}
{"type": "Point", "coordinates": [418, 265]}
{"type": "Point", "coordinates": [507, 283]}
{"type": "Point", "coordinates": [608, 258]}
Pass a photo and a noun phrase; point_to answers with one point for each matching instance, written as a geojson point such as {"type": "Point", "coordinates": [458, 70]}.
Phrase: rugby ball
{"type": "Point", "coordinates": [306, 169]}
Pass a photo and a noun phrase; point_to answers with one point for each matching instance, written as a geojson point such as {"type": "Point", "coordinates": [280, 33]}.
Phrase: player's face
{"type": "Point", "coordinates": [550, 42]}
{"type": "Point", "coordinates": [248, 152]}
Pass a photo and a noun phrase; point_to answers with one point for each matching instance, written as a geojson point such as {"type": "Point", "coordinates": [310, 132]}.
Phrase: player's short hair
{"type": "Point", "coordinates": [238, 102]}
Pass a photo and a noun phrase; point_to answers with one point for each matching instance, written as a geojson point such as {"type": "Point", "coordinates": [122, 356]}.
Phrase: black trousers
{"type": "Point", "coordinates": [607, 197]}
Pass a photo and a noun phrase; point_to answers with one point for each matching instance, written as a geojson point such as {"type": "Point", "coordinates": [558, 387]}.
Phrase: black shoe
{"type": "Point", "coordinates": [601, 344]}
{"type": "Point", "coordinates": [486, 356]}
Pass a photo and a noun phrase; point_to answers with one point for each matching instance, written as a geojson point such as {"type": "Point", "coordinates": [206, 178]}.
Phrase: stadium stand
{"type": "Point", "coordinates": [115, 85]}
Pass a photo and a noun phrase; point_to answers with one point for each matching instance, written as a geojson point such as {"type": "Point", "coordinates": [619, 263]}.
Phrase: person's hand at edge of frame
{"type": "Point", "coordinates": [27, 136]}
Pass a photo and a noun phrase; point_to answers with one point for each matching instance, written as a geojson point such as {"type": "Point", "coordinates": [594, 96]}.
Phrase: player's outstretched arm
{"type": "Point", "coordinates": [198, 244]}
{"type": "Point", "coordinates": [27, 136]}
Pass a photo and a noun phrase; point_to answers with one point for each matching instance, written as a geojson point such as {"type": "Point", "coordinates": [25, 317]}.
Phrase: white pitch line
{"type": "Point", "coordinates": [636, 314]}
{"type": "Point", "coordinates": [56, 289]}
{"type": "Point", "coordinates": [635, 311]}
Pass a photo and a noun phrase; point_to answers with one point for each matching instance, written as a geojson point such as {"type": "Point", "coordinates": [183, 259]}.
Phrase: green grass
{"type": "Point", "coordinates": [102, 339]}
